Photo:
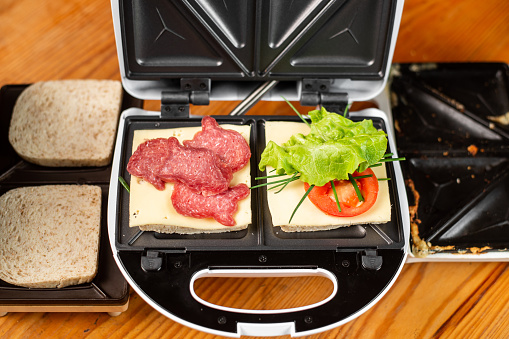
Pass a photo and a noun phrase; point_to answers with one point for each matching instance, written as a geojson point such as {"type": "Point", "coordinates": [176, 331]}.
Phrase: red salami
{"type": "Point", "coordinates": [221, 206]}
{"type": "Point", "coordinates": [148, 159]}
{"type": "Point", "coordinates": [165, 160]}
{"type": "Point", "coordinates": [201, 170]}
{"type": "Point", "coordinates": [230, 145]}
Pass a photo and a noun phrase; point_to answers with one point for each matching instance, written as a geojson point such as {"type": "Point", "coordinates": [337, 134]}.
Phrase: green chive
{"type": "Point", "coordinates": [279, 185]}
{"type": "Point", "coordinates": [300, 115]}
{"type": "Point", "coordinates": [283, 183]}
{"type": "Point", "coordinates": [271, 183]}
{"type": "Point", "coordinates": [384, 179]}
{"type": "Point", "coordinates": [271, 176]}
{"type": "Point", "coordinates": [335, 194]}
{"type": "Point", "coordinates": [346, 110]}
{"type": "Point", "coordinates": [375, 165]}
{"type": "Point", "coordinates": [124, 183]}
{"type": "Point", "coordinates": [391, 159]}
{"type": "Point", "coordinates": [293, 178]}
{"type": "Point", "coordinates": [386, 155]}
{"type": "Point", "coordinates": [363, 176]}
{"type": "Point", "coordinates": [300, 202]}
{"type": "Point", "coordinates": [359, 195]}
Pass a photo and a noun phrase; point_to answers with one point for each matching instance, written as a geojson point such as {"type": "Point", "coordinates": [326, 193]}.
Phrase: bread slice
{"type": "Point", "coordinates": [152, 210]}
{"type": "Point", "coordinates": [49, 235]}
{"type": "Point", "coordinates": [308, 217]}
{"type": "Point", "coordinates": [67, 122]}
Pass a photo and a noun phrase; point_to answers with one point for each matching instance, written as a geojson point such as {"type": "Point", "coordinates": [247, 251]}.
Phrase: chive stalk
{"type": "Point", "coordinates": [124, 183]}
{"type": "Point", "coordinates": [335, 194]}
{"type": "Point", "coordinates": [391, 159]}
{"type": "Point", "coordinates": [357, 190]}
{"type": "Point", "coordinates": [347, 108]}
{"type": "Point", "coordinates": [300, 202]}
{"type": "Point", "coordinates": [272, 182]}
{"type": "Point", "coordinates": [293, 178]}
{"type": "Point", "coordinates": [271, 176]}
{"type": "Point", "coordinates": [298, 113]}
{"type": "Point", "coordinates": [362, 176]}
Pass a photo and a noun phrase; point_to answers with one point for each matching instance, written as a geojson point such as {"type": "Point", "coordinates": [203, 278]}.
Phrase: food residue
{"type": "Point", "coordinates": [477, 250]}
{"type": "Point", "coordinates": [422, 248]}
{"type": "Point", "coordinates": [472, 149]}
{"type": "Point", "coordinates": [501, 119]}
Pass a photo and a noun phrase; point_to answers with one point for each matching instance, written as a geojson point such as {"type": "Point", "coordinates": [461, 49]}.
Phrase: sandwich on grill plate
{"type": "Point", "coordinates": [191, 179]}
{"type": "Point", "coordinates": [66, 122]}
{"type": "Point", "coordinates": [326, 173]}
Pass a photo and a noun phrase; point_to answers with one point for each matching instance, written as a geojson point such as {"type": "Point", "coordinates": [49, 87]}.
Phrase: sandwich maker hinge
{"type": "Point", "coordinates": [317, 92]}
{"type": "Point", "coordinates": [175, 104]}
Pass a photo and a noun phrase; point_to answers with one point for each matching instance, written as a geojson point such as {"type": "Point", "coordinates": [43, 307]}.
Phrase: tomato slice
{"type": "Point", "coordinates": [323, 196]}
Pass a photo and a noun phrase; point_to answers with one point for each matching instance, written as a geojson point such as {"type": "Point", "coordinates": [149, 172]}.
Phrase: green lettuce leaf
{"type": "Point", "coordinates": [335, 147]}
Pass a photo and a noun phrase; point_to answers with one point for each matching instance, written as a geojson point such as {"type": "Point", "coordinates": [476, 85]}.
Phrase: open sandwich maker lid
{"type": "Point", "coordinates": [317, 50]}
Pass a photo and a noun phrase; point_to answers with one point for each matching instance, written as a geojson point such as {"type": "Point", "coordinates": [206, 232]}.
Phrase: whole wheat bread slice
{"type": "Point", "coordinates": [66, 122]}
{"type": "Point", "coordinates": [49, 235]}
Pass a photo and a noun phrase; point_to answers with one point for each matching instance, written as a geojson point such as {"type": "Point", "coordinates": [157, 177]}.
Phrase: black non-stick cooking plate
{"type": "Point", "coordinates": [452, 125]}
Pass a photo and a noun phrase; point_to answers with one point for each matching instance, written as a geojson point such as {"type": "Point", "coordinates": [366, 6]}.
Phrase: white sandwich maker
{"type": "Point", "coordinates": [329, 53]}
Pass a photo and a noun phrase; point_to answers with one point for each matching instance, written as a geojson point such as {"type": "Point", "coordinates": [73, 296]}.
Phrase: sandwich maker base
{"type": "Point", "coordinates": [362, 261]}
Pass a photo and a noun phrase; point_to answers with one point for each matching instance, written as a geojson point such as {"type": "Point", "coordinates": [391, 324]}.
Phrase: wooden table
{"type": "Point", "coordinates": [59, 39]}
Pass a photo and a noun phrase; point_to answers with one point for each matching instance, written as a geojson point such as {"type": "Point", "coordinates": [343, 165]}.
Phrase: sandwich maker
{"type": "Point", "coordinates": [328, 53]}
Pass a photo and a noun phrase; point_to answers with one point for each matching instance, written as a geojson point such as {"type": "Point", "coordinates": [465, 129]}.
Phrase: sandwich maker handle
{"type": "Point", "coordinates": [265, 329]}
{"type": "Point", "coordinates": [262, 273]}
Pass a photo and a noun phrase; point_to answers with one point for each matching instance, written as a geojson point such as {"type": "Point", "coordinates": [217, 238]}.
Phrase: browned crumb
{"type": "Point", "coordinates": [501, 119]}
{"type": "Point", "coordinates": [472, 149]}
{"type": "Point", "coordinates": [420, 248]}
{"type": "Point", "coordinates": [477, 250]}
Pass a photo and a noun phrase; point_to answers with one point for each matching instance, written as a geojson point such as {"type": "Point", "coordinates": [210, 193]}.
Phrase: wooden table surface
{"type": "Point", "coordinates": [62, 39]}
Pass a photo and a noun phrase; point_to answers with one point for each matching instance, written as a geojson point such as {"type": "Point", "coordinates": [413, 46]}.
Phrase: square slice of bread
{"type": "Point", "coordinates": [152, 210]}
{"type": "Point", "coordinates": [66, 122]}
{"type": "Point", "coordinates": [49, 235]}
{"type": "Point", "coordinates": [308, 217]}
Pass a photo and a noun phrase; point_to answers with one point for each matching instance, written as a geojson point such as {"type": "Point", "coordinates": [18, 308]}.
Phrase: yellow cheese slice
{"type": "Point", "coordinates": [308, 217]}
{"type": "Point", "coordinates": [151, 209]}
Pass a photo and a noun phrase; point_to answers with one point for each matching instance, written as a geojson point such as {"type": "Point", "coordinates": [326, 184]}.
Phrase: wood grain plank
{"type": "Point", "coordinates": [44, 40]}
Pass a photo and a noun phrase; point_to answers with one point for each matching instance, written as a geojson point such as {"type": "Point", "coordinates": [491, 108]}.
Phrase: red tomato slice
{"type": "Point", "coordinates": [323, 196]}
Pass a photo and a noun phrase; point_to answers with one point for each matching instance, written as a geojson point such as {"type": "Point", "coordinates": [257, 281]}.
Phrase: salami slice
{"type": "Point", "coordinates": [230, 145]}
{"type": "Point", "coordinates": [221, 206]}
{"type": "Point", "coordinates": [148, 159]}
{"type": "Point", "coordinates": [166, 160]}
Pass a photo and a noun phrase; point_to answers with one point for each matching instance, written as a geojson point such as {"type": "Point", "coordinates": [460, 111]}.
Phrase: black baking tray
{"type": "Point", "coordinates": [109, 286]}
{"type": "Point", "coordinates": [449, 121]}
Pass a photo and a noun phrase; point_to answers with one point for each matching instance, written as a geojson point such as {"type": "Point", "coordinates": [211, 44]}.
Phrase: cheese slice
{"type": "Point", "coordinates": [152, 210]}
{"type": "Point", "coordinates": [308, 217]}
